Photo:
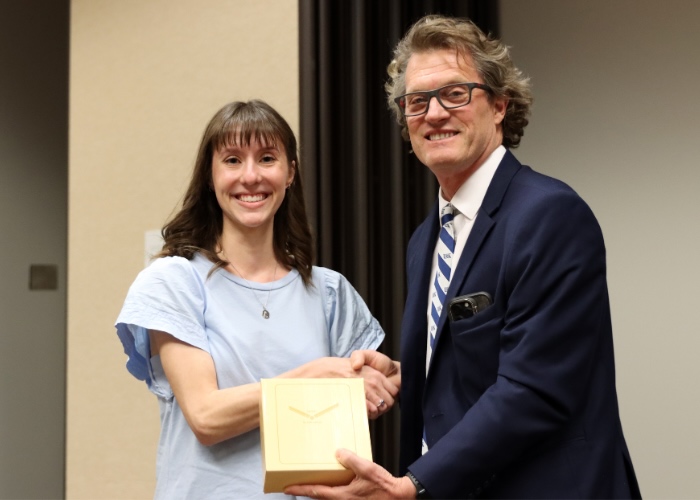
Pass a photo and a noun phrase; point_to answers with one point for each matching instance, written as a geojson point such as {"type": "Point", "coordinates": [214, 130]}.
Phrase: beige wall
{"type": "Point", "coordinates": [145, 78]}
{"type": "Point", "coordinates": [616, 116]}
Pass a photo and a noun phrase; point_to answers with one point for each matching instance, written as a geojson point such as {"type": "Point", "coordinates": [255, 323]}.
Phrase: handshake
{"type": "Point", "coordinates": [382, 377]}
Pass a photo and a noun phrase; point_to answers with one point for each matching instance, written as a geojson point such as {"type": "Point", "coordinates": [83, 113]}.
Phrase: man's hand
{"type": "Point", "coordinates": [371, 481]}
{"type": "Point", "coordinates": [376, 360]}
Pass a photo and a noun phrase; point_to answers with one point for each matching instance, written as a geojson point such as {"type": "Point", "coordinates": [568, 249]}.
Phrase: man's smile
{"type": "Point", "coordinates": [441, 135]}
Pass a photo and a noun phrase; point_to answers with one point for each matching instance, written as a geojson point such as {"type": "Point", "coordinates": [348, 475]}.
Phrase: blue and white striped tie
{"type": "Point", "coordinates": [445, 250]}
{"type": "Point", "coordinates": [443, 274]}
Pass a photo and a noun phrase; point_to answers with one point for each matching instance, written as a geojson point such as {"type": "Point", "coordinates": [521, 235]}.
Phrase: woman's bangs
{"type": "Point", "coordinates": [239, 132]}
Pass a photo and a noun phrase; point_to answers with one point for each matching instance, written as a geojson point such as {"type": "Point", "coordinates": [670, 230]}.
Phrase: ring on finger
{"type": "Point", "coordinates": [381, 403]}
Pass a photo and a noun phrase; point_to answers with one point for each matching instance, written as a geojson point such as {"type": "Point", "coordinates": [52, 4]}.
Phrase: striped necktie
{"type": "Point", "coordinates": [445, 250]}
{"type": "Point", "coordinates": [443, 274]}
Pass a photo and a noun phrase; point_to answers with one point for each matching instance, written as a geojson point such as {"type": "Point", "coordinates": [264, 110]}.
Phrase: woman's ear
{"type": "Point", "coordinates": [292, 173]}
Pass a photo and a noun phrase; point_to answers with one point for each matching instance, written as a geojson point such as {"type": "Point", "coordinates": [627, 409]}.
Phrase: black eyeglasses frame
{"type": "Point", "coordinates": [401, 100]}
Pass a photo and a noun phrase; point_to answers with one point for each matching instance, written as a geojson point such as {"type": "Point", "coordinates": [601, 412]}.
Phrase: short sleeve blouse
{"type": "Point", "coordinates": [221, 314]}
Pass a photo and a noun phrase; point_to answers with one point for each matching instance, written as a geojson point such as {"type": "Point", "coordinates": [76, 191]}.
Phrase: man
{"type": "Point", "coordinates": [510, 391]}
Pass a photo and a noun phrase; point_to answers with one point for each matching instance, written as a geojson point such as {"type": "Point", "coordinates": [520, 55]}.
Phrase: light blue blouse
{"type": "Point", "coordinates": [222, 315]}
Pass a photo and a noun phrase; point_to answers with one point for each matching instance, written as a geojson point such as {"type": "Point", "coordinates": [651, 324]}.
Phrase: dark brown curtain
{"type": "Point", "coordinates": [365, 192]}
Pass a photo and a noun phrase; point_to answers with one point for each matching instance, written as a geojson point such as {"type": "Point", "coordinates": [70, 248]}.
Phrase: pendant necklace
{"type": "Point", "coordinates": [265, 312]}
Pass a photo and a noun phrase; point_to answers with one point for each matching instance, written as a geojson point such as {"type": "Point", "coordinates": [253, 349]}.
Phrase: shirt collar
{"type": "Point", "coordinates": [467, 200]}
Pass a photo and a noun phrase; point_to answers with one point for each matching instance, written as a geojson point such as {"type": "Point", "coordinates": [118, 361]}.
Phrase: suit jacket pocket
{"type": "Point", "coordinates": [476, 342]}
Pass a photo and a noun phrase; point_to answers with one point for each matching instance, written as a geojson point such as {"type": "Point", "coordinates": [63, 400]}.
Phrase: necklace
{"type": "Point", "coordinates": [265, 312]}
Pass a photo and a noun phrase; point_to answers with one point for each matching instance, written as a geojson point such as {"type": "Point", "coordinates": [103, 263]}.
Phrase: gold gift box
{"type": "Point", "coordinates": [303, 422]}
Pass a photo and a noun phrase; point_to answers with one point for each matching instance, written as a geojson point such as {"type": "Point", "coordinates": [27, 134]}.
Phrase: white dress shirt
{"type": "Point", "coordinates": [466, 202]}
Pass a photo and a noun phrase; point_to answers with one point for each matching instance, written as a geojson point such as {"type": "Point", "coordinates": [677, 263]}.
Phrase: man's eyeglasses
{"type": "Point", "coordinates": [450, 96]}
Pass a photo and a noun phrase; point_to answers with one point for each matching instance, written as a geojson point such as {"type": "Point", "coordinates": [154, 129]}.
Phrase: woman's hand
{"type": "Point", "coordinates": [381, 392]}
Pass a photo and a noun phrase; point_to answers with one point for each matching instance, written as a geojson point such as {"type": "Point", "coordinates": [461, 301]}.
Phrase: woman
{"type": "Point", "coordinates": [233, 298]}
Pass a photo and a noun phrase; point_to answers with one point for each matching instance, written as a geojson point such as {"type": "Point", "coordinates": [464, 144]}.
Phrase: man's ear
{"type": "Point", "coordinates": [500, 105]}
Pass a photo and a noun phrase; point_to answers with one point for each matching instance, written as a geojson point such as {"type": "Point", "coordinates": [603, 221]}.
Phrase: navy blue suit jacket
{"type": "Point", "coordinates": [519, 400]}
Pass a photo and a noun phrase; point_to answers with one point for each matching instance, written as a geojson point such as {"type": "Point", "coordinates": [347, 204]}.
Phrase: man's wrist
{"type": "Point", "coordinates": [420, 489]}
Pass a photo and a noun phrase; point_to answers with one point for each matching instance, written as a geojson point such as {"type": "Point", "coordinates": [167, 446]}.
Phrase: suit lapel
{"type": "Point", "coordinates": [418, 268]}
{"type": "Point", "coordinates": [482, 226]}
